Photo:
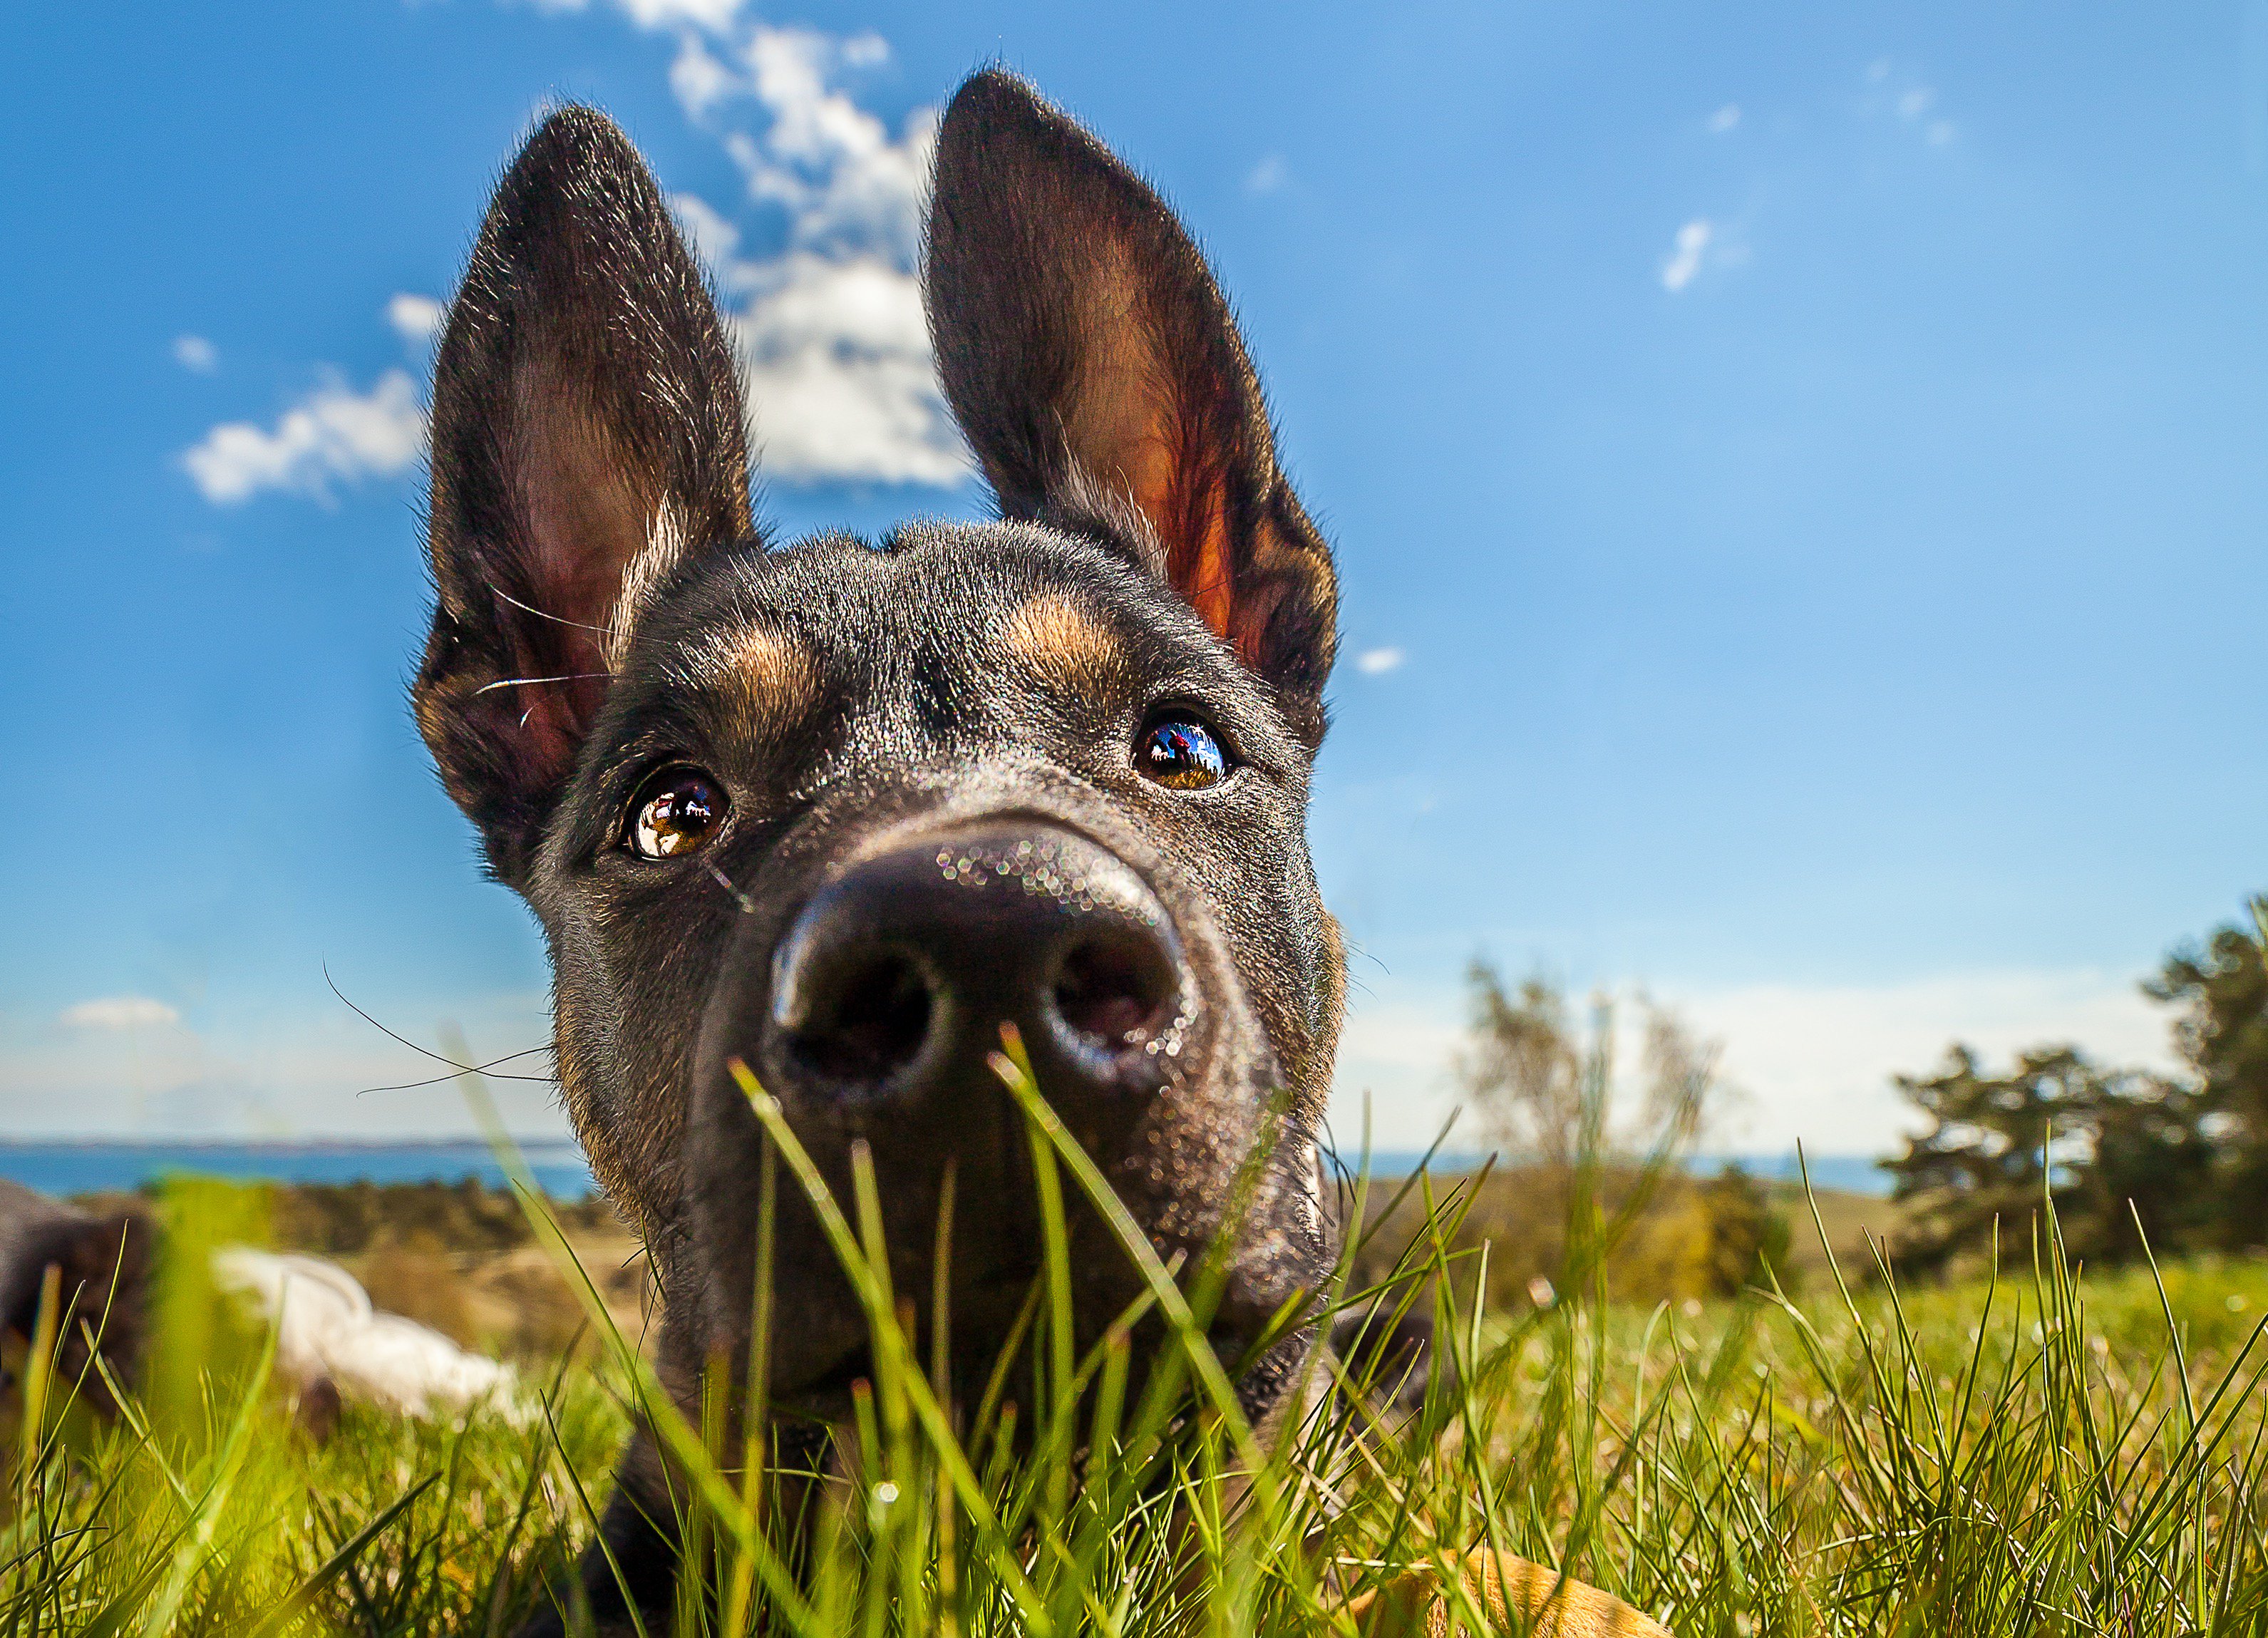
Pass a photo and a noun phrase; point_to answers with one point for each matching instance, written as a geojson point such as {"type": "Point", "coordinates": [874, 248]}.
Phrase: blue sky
{"type": "Point", "coordinates": [1798, 475]}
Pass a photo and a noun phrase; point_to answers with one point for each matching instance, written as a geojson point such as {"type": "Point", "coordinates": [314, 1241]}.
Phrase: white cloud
{"type": "Point", "coordinates": [1393, 1062]}
{"type": "Point", "coordinates": [1818, 1059]}
{"type": "Point", "coordinates": [697, 79]}
{"type": "Point", "coordinates": [1813, 1061]}
{"type": "Point", "coordinates": [195, 353]}
{"type": "Point", "coordinates": [1269, 175]}
{"type": "Point", "coordinates": [333, 435]}
{"type": "Point", "coordinates": [836, 358]}
{"type": "Point", "coordinates": [833, 345]}
{"type": "Point", "coordinates": [1376, 662]}
{"type": "Point", "coordinates": [416, 319]}
{"type": "Point", "coordinates": [847, 186]}
{"type": "Point", "coordinates": [714, 15]}
{"type": "Point", "coordinates": [1684, 260]}
{"type": "Point", "coordinates": [119, 1012]}
{"type": "Point", "coordinates": [1915, 103]}
{"type": "Point", "coordinates": [1725, 119]}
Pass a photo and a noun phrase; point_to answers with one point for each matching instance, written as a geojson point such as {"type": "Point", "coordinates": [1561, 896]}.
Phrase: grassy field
{"type": "Point", "coordinates": [2046, 1454]}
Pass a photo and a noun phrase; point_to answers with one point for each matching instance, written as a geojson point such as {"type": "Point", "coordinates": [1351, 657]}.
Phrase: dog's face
{"type": "Point", "coordinates": [839, 811]}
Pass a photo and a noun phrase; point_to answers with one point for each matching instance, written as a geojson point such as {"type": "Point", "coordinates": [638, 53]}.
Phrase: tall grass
{"type": "Point", "coordinates": [2046, 1453]}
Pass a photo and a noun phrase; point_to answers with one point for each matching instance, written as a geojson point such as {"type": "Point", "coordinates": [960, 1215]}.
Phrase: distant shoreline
{"type": "Point", "coordinates": [91, 1165]}
{"type": "Point", "coordinates": [67, 1166]}
{"type": "Point", "coordinates": [471, 1140]}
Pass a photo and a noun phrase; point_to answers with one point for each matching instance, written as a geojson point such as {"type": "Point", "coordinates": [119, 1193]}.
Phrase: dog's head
{"type": "Point", "coordinates": [840, 810]}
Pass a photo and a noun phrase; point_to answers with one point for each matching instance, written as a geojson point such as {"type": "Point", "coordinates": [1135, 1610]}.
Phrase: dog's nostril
{"type": "Point", "coordinates": [1115, 990]}
{"type": "Point", "coordinates": [874, 1026]}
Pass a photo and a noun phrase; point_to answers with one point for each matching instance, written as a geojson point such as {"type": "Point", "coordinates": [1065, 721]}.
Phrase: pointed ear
{"type": "Point", "coordinates": [1092, 362]}
{"type": "Point", "coordinates": [587, 438]}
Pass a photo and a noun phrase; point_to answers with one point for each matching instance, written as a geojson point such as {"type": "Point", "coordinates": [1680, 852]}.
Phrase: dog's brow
{"type": "Point", "coordinates": [1063, 642]}
{"type": "Point", "coordinates": [767, 680]}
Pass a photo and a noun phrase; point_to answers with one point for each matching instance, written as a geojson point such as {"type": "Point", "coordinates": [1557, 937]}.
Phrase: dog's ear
{"type": "Point", "coordinates": [588, 438]}
{"type": "Point", "coordinates": [1092, 360]}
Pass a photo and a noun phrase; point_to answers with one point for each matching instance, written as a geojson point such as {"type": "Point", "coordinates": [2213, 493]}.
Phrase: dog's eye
{"type": "Point", "coordinates": [1181, 754]}
{"type": "Point", "coordinates": [676, 811]}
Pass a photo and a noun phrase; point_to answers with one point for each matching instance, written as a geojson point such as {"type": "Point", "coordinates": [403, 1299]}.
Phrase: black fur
{"type": "Point", "coordinates": [860, 703]}
{"type": "Point", "coordinates": [103, 1264]}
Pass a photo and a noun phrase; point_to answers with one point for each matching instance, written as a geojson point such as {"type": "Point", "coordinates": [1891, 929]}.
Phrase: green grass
{"type": "Point", "coordinates": [2048, 1454]}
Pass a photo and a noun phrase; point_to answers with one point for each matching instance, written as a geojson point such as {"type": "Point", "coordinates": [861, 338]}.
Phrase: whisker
{"type": "Point", "coordinates": [434, 1081]}
{"type": "Point", "coordinates": [455, 1067]}
{"type": "Point", "coordinates": [603, 631]}
{"type": "Point", "coordinates": [748, 906]}
{"type": "Point", "coordinates": [571, 676]}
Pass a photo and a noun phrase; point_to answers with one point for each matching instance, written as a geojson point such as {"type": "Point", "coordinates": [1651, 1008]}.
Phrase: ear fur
{"type": "Point", "coordinates": [1095, 367]}
{"type": "Point", "coordinates": [587, 438]}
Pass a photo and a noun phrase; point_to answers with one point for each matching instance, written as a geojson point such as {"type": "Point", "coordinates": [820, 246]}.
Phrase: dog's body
{"type": "Point", "coordinates": [840, 810]}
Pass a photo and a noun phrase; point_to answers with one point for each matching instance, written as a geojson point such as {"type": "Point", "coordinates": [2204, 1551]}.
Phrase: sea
{"type": "Point", "coordinates": [64, 1167]}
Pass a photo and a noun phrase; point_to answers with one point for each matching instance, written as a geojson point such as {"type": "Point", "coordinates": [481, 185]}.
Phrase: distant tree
{"type": "Point", "coordinates": [2223, 1034]}
{"type": "Point", "coordinates": [2150, 1160]}
{"type": "Point", "coordinates": [1984, 1158]}
{"type": "Point", "coordinates": [1524, 1068]}
{"type": "Point", "coordinates": [1545, 1095]}
{"type": "Point", "coordinates": [1592, 1165]}
{"type": "Point", "coordinates": [2113, 1144]}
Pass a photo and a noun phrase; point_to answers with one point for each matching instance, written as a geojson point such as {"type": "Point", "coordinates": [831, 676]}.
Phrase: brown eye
{"type": "Point", "coordinates": [674, 812]}
{"type": "Point", "coordinates": [1181, 754]}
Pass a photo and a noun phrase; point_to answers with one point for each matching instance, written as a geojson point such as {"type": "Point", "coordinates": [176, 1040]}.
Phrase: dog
{"type": "Point", "coordinates": [93, 1270]}
{"type": "Point", "coordinates": [836, 810]}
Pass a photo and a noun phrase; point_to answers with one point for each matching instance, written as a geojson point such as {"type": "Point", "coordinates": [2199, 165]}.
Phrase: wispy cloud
{"type": "Point", "coordinates": [196, 354]}
{"type": "Point", "coordinates": [833, 342]}
{"type": "Point", "coordinates": [1725, 119]}
{"type": "Point", "coordinates": [119, 1012]}
{"type": "Point", "coordinates": [333, 435]}
{"type": "Point", "coordinates": [1267, 176]}
{"type": "Point", "coordinates": [1906, 101]}
{"type": "Point", "coordinates": [416, 319]}
{"type": "Point", "coordinates": [1376, 662]}
{"type": "Point", "coordinates": [1685, 260]}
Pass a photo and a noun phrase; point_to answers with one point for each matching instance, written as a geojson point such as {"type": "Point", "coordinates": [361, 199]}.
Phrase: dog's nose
{"type": "Point", "coordinates": [896, 976]}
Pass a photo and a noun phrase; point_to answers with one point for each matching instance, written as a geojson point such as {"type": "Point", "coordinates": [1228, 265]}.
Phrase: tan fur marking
{"type": "Point", "coordinates": [1064, 644]}
{"type": "Point", "coordinates": [771, 681]}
